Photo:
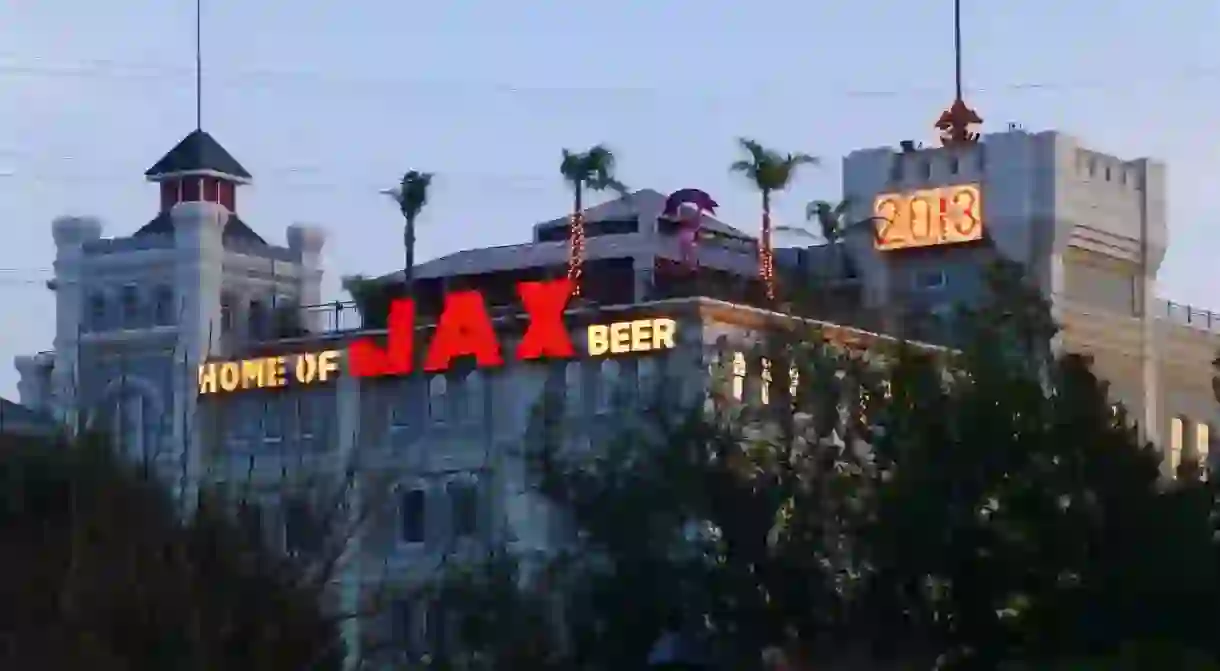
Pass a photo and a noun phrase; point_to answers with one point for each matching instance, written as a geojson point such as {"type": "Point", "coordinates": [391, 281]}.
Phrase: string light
{"type": "Point", "coordinates": [576, 252]}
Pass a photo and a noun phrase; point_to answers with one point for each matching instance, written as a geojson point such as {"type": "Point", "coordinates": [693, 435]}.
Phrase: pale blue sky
{"type": "Point", "coordinates": [327, 102]}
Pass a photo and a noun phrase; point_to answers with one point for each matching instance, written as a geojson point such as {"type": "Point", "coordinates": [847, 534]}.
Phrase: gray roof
{"type": "Point", "coordinates": [236, 231]}
{"type": "Point", "coordinates": [645, 203]}
{"type": "Point", "coordinates": [198, 151]}
{"type": "Point", "coordinates": [22, 418]}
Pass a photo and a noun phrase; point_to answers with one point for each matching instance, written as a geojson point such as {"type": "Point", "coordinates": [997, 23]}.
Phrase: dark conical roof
{"type": "Point", "coordinates": [198, 152]}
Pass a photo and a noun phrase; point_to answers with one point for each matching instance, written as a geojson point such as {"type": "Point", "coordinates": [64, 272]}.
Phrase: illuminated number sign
{"type": "Point", "coordinates": [463, 330]}
{"type": "Point", "coordinates": [928, 218]}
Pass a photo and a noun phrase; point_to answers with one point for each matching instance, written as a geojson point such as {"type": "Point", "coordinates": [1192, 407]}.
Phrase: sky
{"type": "Point", "coordinates": [328, 102]}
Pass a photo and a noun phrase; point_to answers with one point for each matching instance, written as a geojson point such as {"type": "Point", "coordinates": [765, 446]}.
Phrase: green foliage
{"type": "Point", "coordinates": [412, 193]}
{"type": "Point", "coordinates": [829, 217]}
{"type": "Point", "coordinates": [904, 508]}
{"type": "Point", "coordinates": [591, 170]}
{"type": "Point", "coordinates": [373, 299]}
{"type": "Point", "coordinates": [102, 572]}
{"type": "Point", "coordinates": [769, 170]}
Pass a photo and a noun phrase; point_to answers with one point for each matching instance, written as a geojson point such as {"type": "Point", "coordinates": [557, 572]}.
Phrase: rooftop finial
{"type": "Point", "coordinates": [198, 64]}
{"type": "Point", "coordinates": [954, 123]}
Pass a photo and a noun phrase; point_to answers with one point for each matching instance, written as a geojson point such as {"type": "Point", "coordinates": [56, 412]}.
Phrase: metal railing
{"type": "Point", "coordinates": [333, 317]}
{"type": "Point", "coordinates": [1187, 315]}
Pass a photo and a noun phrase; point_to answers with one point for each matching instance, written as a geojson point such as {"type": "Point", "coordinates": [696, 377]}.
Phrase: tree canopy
{"type": "Point", "coordinates": [899, 507]}
{"type": "Point", "coordinates": [104, 571]}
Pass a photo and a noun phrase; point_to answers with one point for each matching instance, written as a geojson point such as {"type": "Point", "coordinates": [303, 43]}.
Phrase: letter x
{"type": "Point", "coordinates": [546, 336]}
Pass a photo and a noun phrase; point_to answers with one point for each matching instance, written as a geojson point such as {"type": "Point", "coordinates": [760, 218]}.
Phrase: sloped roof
{"type": "Point", "coordinates": [648, 202]}
{"type": "Point", "coordinates": [198, 151]}
{"type": "Point", "coordinates": [20, 414]}
{"type": "Point", "coordinates": [235, 231]}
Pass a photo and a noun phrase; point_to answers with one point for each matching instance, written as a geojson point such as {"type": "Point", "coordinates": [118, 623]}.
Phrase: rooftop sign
{"type": "Point", "coordinates": [929, 217]}
{"type": "Point", "coordinates": [463, 330]}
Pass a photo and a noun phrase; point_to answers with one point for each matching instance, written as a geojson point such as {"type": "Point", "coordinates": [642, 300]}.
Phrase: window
{"type": "Point", "coordinates": [472, 398]}
{"type": "Point", "coordinates": [302, 532]}
{"type": "Point", "coordinates": [954, 167]}
{"type": "Point", "coordinates": [1177, 429]}
{"type": "Point", "coordinates": [411, 510]}
{"type": "Point", "coordinates": [226, 313]}
{"type": "Point", "coordinates": [1203, 437]}
{"type": "Point", "coordinates": [739, 375]}
{"type": "Point", "coordinates": [273, 418]}
{"type": "Point", "coordinates": [572, 388]}
{"type": "Point", "coordinates": [438, 388]}
{"type": "Point", "coordinates": [464, 501]}
{"type": "Point", "coordinates": [764, 389]}
{"type": "Point", "coordinates": [607, 385]}
{"type": "Point", "coordinates": [794, 380]}
{"type": "Point", "coordinates": [96, 319]}
{"type": "Point", "coordinates": [646, 375]}
{"type": "Point", "coordinates": [925, 169]}
{"type": "Point", "coordinates": [930, 279]}
{"type": "Point", "coordinates": [404, 625]}
{"type": "Point", "coordinates": [258, 320]}
{"type": "Point", "coordinates": [130, 299]}
{"type": "Point", "coordinates": [163, 306]}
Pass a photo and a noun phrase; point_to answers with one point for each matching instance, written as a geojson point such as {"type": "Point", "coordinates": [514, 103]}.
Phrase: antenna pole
{"type": "Point", "coordinates": [957, 45]}
{"type": "Point", "coordinates": [198, 64]}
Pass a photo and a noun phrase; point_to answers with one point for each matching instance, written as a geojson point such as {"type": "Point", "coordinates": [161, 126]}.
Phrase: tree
{"type": "Point", "coordinates": [769, 172]}
{"type": "Point", "coordinates": [411, 196]}
{"type": "Point", "coordinates": [103, 571]}
{"type": "Point", "coordinates": [591, 170]}
{"type": "Point", "coordinates": [830, 218]}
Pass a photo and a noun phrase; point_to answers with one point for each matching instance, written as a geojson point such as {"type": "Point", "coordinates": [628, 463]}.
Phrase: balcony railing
{"type": "Point", "coordinates": [334, 317]}
{"type": "Point", "coordinates": [1186, 315]}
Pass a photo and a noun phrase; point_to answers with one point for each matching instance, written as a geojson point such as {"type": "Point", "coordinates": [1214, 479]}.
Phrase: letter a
{"type": "Point", "coordinates": [546, 335]}
{"type": "Point", "coordinates": [464, 330]}
{"type": "Point", "coordinates": [366, 359]}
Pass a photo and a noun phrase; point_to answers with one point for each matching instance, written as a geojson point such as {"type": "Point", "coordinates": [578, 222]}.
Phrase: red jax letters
{"type": "Point", "coordinates": [465, 329]}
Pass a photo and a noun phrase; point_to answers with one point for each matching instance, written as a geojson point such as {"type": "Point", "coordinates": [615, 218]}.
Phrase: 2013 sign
{"type": "Point", "coordinates": [928, 218]}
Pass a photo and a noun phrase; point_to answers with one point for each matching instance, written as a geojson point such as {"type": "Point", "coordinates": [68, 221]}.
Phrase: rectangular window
{"type": "Point", "coordinates": [1177, 430]}
{"type": "Point", "coordinates": [302, 532]}
{"type": "Point", "coordinates": [131, 305]}
{"type": "Point", "coordinates": [411, 511]}
{"type": "Point", "coordinates": [930, 280]}
{"type": "Point", "coordinates": [1203, 437]}
{"type": "Point", "coordinates": [464, 499]}
{"type": "Point", "coordinates": [404, 626]}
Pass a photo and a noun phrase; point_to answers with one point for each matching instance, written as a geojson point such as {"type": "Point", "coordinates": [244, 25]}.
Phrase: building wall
{"type": "Point", "coordinates": [1089, 227]}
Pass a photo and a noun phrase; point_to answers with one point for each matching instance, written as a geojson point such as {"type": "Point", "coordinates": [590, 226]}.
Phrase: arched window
{"type": "Point", "coordinates": [163, 306]}
{"type": "Point", "coordinates": [438, 390]}
{"type": "Point", "coordinates": [474, 388]}
{"type": "Point", "coordinates": [572, 388]}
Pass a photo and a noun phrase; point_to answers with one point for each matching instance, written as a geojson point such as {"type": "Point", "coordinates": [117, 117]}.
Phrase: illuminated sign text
{"type": "Point", "coordinates": [463, 330]}
{"type": "Point", "coordinates": [641, 335]}
{"type": "Point", "coordinates": [268, 371]}
{"type": "Point", "coordinates": [928, 218]}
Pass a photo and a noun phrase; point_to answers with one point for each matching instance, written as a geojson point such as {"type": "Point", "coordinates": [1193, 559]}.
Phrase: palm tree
{"type": "Point", "coordinates": [830, 218]}
{"type": "Point", "coordinates": [411, 194]}
{"type": "Point", "coordinates": [592, 170]}
{"type": "Point", "coordinates": [770, 172]}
